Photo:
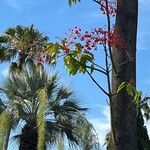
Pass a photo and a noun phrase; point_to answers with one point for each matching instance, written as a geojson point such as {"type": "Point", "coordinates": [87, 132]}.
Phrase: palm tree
{"type": "Point", "coordinates": [5, 117]}
{"type": "Point", "coordinates": [19, 43]}
{"type": "Point", "coordinates": [48, 109]}
{"type": "Point", "coordinates": [85, 131]}
{"type": "Point", "coordinates": [143, 113]}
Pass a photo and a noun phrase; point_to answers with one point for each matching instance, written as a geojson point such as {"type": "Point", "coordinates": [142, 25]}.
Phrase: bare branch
{"type": "Point", "coordinates": [99, 66]}
{"type": "Point", "coordinates": [108, 28]}
{"type": "Point", "coordinates": [97, 83]}
{"type": "Point", "coordinates": [89, 67]}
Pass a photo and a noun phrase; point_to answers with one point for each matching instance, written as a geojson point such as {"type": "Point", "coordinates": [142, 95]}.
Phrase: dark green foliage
{"type": "Point", "coordinates": [144, 112]}
{"type": "Point", "coordinates": [143, 139]}
{"type": "Point", "coordinates": [29, 137]}
{"type": "Point", "coordinates": [73, 1]}
{"type": "Point", "coordinates": [87, 132]}
{"type": "Point", "coordinates": [61, 113]}
{"type": "Point", "coordinates": [19, 43]}
{"type": "Point", "coordinates": [108, 140]}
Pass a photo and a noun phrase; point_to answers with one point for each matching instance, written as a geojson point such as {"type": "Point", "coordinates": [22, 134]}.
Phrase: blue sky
{"type": "Point", "coordinates": [54, 18]}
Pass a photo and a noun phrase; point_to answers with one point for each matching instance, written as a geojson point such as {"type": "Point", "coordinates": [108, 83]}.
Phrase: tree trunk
{"type": "Point", "coordinates": [123, 112]}
{"type": "Point", "coordinates": [6, 139]}
{"type": "Point", "coordinates": [29, 137]}
{"type": "Point", "coordinates": [60, 144]}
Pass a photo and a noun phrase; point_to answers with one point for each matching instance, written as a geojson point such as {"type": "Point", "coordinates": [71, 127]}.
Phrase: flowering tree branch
{"type": "Point", "coordinates": [77, 47]}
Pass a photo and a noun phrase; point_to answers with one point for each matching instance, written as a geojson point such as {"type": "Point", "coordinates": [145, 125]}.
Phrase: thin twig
{"type": "Point", "coordinates": [89, 67]}
{"type": "Point", "coordinates": [108, 28]}
{"type": "Point", "coordinates": [107, 71]}
{"type": "Point", "coordinates": [110, 94]}
{"type": "Point", "coordinates": [107, 102]}
{"type": "Point", "coordinates": [97, 83]}
{"type": "Point", "coordinates": [99, 66]}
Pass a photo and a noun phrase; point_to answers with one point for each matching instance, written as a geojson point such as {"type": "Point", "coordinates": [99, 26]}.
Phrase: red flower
{"type": "Point", "coordinates": [41, 58]}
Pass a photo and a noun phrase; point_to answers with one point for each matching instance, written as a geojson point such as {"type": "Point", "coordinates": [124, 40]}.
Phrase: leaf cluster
{"type": "Point", "coordinates": [76, 61]}
{"type": "Point", "coordinates": [34, 96]}
{"type": "Point", "coordinates": [73, 1]}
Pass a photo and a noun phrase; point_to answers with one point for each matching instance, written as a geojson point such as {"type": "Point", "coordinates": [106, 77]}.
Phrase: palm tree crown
{"type": "Point", "coordinates": [46, 107]}
{"type": "Point", "coordinates": [21, 42]}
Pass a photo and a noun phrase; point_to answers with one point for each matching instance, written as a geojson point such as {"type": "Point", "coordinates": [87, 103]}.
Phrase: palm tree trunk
{"type": "Point", "coordinates": [29, 137]}
{"type": "Point", "coordinates": [61, 143]}
{"type": "Point", "coordinates": [6, 139]}
{"type": "Point", "coordinates": [124, 123]}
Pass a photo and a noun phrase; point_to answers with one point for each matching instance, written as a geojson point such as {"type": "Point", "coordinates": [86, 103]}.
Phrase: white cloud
{"type": "Point", "coordinates": [102, 125]}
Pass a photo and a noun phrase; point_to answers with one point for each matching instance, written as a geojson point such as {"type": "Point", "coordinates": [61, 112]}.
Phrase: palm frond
{"type": "Point", "coordinates": [42, 94]}
{"type": "Point", "coordinates": [20, 42]}
{"type": "Point", "coordinates": [33, 96]}
{"type": "Point", "coordinates": [4, 127]}
{"type": "Point", "coordinates": [53, 132]}
{"type": "Point", "coordinates": [145, 107]}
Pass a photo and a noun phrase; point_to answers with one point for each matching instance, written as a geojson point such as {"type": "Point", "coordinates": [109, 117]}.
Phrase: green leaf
{"type": "Point", "coordinates": [52, 47]}
{"type": "Point", "coordinates": [70, 2]}
{"type": "Point", "coordinates": [137, 96]}
{"type": "Point", "coordinates": [74, 53]}
{"type": "Point", "coordinates": [52, 50]}
{"type": "Point", "coordinates": [79, 47]}
{"type": "Point", "coordinates": [85, 58]}
{"type": "Point", "coordinates": [73, 68]}
{"type": "Point", "coordinates": [130, 90]}
{"type": "Point", "coordinates": [88, 58]}
{"type": "Point", "coordinates": [73, 1]}
{"type": "Point", "coordinates": [67, 60]}
{"type": "Point", "coordinates": [121, 86]}
{"type": "Point", "coordinates": [82, 69]}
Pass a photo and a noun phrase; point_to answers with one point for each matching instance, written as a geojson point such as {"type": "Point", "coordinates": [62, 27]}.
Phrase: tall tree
{"type": "Point", "coordinates": [60, 114]}
{"type": "Point", "coordinates": [123, 59]}
{"type": "Point", "coordinates": [85, 131]}
{"type": "Point", "coordinates": [5, 127]}
{"type": "Point", "coordinates": [22, 42]}
{"type": "Point", "coordinates": [143, 113]}
{"type": "Point", "coordinates": [124, 120]}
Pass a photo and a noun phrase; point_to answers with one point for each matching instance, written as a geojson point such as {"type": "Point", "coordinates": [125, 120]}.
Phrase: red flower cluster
{"type": "Point", "coordinates": [65, 45]}
{"type": "Point", "coordinates": [111, 8]}
{"type": "Point", "coordinates": [116, 41]}
{"type": "Point", "coordinates": [41, 58]}
{"type": "Point", "coordinates": [90, 40]}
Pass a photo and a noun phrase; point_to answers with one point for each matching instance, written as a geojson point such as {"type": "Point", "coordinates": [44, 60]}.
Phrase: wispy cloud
{"type": "Point", "coordinates": [102, 124]}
